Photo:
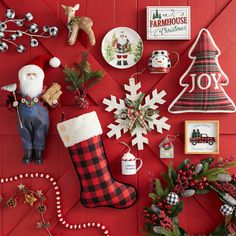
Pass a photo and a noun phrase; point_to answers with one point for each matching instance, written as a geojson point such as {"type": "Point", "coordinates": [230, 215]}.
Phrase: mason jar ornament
{"type": "Point", "coordinates": [167, 147]}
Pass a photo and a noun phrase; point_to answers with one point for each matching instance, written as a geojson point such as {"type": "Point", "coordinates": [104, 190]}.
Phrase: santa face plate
{"type": "Point", "coordinates": [122, 47]}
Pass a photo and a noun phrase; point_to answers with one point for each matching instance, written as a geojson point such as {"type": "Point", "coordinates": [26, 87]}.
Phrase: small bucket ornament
{"type": "Point", "coordinates": [167, 147]}
{"type": "Point", "coordinates": [129, 163]}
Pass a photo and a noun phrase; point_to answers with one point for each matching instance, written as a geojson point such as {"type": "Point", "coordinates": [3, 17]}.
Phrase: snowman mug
{"type": "Point", "coordinates": [160, 62]}
{"type": "Point", "coordinates": [129, 164]}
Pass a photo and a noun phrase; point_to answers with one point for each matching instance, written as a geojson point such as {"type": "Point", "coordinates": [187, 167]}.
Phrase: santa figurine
{"type": "Point", "coordinates": [122, 48]}
{"type": "Point", "coordinates": [33, 113]}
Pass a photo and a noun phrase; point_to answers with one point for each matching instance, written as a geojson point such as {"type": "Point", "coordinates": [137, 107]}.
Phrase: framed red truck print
{"type": "Point", "coordinates": [201, 137]}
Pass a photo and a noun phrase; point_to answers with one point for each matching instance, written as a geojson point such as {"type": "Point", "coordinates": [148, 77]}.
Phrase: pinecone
{"type": "Point", "coordinates": [12, 202]}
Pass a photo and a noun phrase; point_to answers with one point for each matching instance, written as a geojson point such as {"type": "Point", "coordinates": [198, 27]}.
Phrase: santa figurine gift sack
{"type": "Point", "coordinates": [32, 112]}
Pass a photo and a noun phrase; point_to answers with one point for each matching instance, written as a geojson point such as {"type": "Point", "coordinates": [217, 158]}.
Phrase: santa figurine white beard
{"type": "Point", "coordinates": [31, 85]}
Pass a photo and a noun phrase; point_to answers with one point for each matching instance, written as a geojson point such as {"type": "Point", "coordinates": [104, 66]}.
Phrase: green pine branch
{"type": "Point", "coordinates": [80, 76]}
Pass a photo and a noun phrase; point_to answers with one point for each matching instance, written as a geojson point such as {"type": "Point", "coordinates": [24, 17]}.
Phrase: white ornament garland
{"type": "Point", "coordinates": [58, 202]}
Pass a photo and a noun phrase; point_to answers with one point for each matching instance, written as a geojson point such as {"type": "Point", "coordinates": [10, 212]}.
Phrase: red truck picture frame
{"type": "Point", "coordinates": [201, 137]}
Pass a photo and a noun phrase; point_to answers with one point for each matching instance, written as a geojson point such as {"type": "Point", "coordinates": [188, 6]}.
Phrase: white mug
{"type": "Point", "coordinates": [129, 167]}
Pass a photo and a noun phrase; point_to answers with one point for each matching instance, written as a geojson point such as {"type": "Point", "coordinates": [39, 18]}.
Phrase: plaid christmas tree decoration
{"type": "Point", "coordinates": [203, 80]}
{"type": "Point", "coordinates": [98, 188]}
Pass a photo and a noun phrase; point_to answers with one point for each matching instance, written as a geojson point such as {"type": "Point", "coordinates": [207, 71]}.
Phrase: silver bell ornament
{"type": "Point", "coordinates": [2, 35]}
{"type": "Point", "coordinates": [3, 47]}
{"type": "Point", "coordinates": [13, 37]}
{"type": "Point", "coordinates": [226, 210]}
{"type": "Point", "coordinates": [29, 16]}
{"type": "Point", "coordinates": [46, 28]}
{"type": "Point", "coordinates": [34, 42]}
{"type": "Point", "coordinates": [20, 22]}
{"type": "Point", "coordinates": [172, 198]}
{"type": "Point", "coordinates": [3, 26]}
{"type": "Point", "coordinates": [33, 28]}
{"type": "Point", "coordinates": [10, 14]}
{"type": "Point", "coordinates": [20, 48]}
{"type": "Point", "coordinates": [18, 33]}
{"type": "Point", "coordinates": [53, 31]}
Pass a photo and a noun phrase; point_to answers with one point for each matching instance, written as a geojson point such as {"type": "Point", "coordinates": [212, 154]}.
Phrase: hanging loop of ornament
{"type": "Point", "coordinates": [168, 141]}
{"type": "Point", "coordinates": [126, 145]}
{"type": "Point", "coordinates": [138, 73]}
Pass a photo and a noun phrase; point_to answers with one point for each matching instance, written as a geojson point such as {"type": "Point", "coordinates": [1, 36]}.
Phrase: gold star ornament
{"type": "Point", "coordinates": [30, 199]}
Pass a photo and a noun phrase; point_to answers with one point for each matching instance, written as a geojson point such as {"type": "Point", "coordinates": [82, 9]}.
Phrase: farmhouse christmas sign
{"type": "Point", "coordinates": [168, 23]}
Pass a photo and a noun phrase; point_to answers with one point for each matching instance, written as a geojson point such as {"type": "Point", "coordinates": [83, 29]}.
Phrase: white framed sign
{"type": "Point", "coordinates": [168, 23]}
{"type": "Point", "coordinates": [201, 137]}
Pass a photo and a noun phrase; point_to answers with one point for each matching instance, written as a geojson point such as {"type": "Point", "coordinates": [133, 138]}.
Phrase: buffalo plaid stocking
{"type": "Point", "coordinates": [98, 188]}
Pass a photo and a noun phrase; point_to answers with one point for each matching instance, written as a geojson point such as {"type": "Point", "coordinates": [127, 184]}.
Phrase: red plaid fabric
{"type": "Point", "coordinates": [98, 186]}
{"type": "Point", "coordinates": [213, 97]}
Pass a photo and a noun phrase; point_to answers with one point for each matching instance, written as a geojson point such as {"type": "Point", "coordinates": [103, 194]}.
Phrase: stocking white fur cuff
{"type": "Point", "coordinates": [79, 129]}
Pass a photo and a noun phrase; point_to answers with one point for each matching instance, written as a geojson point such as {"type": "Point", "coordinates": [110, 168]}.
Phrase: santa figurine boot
{"type": "Point", "coordinates": [98, 188]}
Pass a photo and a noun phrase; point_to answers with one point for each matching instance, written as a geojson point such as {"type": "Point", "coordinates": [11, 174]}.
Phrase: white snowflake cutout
{"type": "Point", "coordinates": [151, 102]}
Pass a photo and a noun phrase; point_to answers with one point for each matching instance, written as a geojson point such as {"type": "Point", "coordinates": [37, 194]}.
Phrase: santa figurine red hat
{"type": "Point", "coordinates": [34, 116]}
{"type": "Point", "coordinates": [37, 66]}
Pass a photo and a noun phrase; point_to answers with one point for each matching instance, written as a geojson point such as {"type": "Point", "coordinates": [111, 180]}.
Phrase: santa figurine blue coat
{"type": "Point", "coordinates": [33, 113]}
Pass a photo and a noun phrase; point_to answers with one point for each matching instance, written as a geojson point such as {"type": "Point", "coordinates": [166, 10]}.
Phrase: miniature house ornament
{"type": "Point", "coordinates": [167, 147]}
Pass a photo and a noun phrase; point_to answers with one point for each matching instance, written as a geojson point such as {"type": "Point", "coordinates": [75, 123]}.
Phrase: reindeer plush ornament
{"type": "Point", "coordinates": [75, 23]}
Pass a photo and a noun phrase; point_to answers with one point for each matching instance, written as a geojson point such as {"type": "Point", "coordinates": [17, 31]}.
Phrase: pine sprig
{"type": "Point", "coordinates": [81, 77]}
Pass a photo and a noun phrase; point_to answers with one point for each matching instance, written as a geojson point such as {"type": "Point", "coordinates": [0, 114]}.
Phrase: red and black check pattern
{"type": "Point", "coordinates": [98, 186]}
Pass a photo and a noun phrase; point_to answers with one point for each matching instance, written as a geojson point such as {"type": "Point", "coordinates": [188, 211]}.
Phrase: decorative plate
{"type": "Point", "coordinates": [122, 47]}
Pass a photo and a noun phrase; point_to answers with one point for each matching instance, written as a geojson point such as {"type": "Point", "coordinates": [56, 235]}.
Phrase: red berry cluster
{"type": "Point", "coordinates": [186, 177]}
{"type": "Point", "coordinates": [199, 183]}
{"type": "Point", "coordinates": [150, 218]}
{"type": "Point", "coordinates": [164, 206]}
{"type": "Point", "coordinates": [233, 178]}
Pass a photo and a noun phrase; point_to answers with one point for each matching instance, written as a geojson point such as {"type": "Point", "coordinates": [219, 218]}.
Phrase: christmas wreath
{"type": "Point", "coordinates": [161, 218]}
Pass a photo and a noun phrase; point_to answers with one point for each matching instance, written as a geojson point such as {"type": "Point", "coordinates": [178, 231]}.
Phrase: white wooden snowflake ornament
{"type": "Point", "coordinates": [133, 115]}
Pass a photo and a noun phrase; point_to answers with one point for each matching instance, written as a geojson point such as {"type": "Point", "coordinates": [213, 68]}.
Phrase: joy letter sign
{"type": "Point", "coordinates": [168, 23]}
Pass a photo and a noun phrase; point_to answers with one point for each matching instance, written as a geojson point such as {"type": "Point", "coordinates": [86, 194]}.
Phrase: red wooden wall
{"type": "Point", "coordinates": [201, 214]}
